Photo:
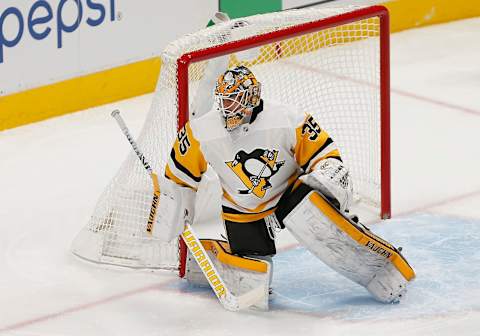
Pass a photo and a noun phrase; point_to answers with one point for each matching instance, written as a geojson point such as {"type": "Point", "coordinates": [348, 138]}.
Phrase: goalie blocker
{"type": "Point", "coordinates": [346, 246]}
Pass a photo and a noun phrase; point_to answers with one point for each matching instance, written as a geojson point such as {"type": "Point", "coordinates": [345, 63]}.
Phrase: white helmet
{"type": "Point", "coordinates": [236, 94]}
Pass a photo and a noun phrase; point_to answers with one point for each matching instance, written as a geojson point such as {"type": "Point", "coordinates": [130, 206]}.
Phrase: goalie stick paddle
{"type": "Point", "coordinates": [224, 295]}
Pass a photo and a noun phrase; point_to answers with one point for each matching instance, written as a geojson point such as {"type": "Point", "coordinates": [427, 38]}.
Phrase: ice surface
{"type": "Point", "coordinates": [444, 251]}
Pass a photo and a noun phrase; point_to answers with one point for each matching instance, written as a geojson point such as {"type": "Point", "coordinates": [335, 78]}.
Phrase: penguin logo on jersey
{"type": "Point", "coordinates": [255, 170]}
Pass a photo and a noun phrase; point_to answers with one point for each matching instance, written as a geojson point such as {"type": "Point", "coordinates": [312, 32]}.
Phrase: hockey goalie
{"type": "Point", "coordinates": [278, 169]}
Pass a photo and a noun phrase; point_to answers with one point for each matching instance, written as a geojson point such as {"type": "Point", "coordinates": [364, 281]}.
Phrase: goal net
{"type": "Point", "coordinates": [332, 63]}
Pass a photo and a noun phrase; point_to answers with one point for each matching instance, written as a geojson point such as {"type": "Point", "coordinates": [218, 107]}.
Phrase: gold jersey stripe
{"type": "Point", "coordinates": [171, 176]}
{"type": "Point", "coordinates": [333, 153]}
{"type": "Point", "coordinates": [246, 218]}
{"type": "Point", "coordinates": [257, 209]}
{"type": "Point", "coordinates": [306, 148]}
{"type": "Point", "coordinates": [187, 155]}
{"type": "Point", "coordinates": [261, 206]}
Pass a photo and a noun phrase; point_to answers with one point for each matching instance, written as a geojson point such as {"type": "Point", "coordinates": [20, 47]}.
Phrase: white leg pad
{"type": "Point", "coordinates": [237, 272]}
{"type": "Point", "coordinates": [388, 285]}
{"type": "Point", "coordinates": [348, 248]}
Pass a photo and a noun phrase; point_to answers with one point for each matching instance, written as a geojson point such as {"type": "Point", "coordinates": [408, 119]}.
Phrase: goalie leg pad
{"type": "Point", "coordinates": [240, 274]}
{"type": "Point", "coordinates": [347, 247]}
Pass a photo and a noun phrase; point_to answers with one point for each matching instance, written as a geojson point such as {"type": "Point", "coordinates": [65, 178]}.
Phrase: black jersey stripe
{"type": "Point", "coordinates": [325, 145]}
{"type": "Point", "coordinates": [184, 170]}
{"type": "Point", "coordinates": [229, 210]}
{"type": "Point", "coordinates": [180, 182]}
{"type": "Point", "coordinates": [334, 157]}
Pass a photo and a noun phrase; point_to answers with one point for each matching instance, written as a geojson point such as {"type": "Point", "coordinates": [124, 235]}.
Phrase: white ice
{"type": "Point", "coordinates": [52, 173]}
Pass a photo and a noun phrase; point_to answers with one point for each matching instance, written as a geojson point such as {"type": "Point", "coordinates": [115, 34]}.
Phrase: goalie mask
{"type": "Point", "coordinates": [236, 94]}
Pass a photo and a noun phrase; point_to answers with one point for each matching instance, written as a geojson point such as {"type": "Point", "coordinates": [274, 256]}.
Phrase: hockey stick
{"type": "Point", "coordinates": [141, 157]}
{"type": "Point", "coordinates": [257, 178]}
{"type": "Point", "coordinates": [226, 298]}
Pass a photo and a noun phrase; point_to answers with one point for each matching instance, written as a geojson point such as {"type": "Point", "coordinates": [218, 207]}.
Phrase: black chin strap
{"type": "Point", "coordinates": [256, 110]}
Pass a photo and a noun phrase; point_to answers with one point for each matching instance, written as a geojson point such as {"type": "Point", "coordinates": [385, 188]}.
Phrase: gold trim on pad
{"type": "Point", "coordinates": [363, 238]}
{"type": "Point", "coordinates": [220, 251]}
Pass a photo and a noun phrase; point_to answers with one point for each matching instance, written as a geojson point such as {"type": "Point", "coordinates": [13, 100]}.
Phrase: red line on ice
{"type": "Point", "coordinates": [393, 90]}
{"type": "Point", "coordinates": [439, 203]}
{"type": "Point", "coordinates": [85, 306]}
{"type": "Point", "coordinates": [436, 102]}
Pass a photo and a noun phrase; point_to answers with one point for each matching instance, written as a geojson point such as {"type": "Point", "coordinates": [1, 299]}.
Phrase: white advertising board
{"type": "Point", "coordinates": [45, 41]}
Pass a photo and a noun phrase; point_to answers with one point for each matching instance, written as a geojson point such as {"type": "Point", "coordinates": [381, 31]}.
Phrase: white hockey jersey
{"type": "Point", "coordinates": [255, 162]}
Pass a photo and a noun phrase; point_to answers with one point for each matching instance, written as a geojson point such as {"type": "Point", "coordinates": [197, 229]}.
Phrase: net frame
{"type": "Point", "coordinates": [381, 12]}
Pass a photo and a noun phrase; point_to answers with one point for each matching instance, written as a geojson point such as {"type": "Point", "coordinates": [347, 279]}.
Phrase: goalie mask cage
{"type": "Point", "coordinates": [330, 62]}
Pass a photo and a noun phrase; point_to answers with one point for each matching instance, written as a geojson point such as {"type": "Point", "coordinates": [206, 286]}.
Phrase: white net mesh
{"type": "Point", "coordinates": [333, 73]}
